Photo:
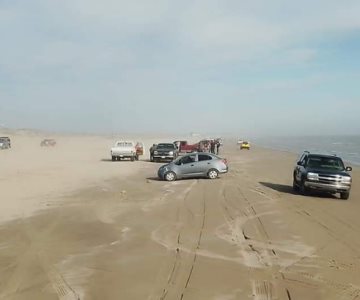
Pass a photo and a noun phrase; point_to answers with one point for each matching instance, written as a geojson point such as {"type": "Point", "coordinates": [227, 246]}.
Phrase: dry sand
{"type": "Point", "coordinates": [81, 227]}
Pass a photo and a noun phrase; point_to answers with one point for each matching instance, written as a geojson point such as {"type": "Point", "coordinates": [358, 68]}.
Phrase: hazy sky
{"type": "Point", "coordinates": [252, 67]}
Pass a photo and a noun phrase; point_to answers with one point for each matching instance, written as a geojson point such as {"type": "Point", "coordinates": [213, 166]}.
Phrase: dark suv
{"type": "Point", "coordinates": [325, 173]}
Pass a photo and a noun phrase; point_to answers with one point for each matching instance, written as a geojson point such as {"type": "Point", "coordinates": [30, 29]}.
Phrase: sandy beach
{"type": "Point", "coordinates": [75, 225]}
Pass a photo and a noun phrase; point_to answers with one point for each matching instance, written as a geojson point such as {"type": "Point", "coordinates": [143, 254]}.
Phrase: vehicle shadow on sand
{"type": "Point", "coordinates": [153, 179]}
{"type": "Point", "coordinates": [117, 161]}
{"type": "Point", "coordinates": [282, 188]}
{"type": "Point", "coordinates": [287, 189]}
{"type": "Point", "coordinates": [181, 179]}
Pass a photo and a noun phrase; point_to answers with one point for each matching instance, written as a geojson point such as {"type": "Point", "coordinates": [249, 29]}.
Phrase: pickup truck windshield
{"type": "Point", "coordinates": [327, 163]}
{"type": "Point", "coordinates": [124, 144]}
{"type": "Point", "coordinates": [165, 146]}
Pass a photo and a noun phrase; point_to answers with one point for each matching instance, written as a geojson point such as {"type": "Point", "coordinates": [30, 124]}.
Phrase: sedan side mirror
{"type": "Point", "coordinates": [348, 169]}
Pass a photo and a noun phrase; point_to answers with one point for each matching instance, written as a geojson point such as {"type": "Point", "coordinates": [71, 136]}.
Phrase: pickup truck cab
{"type": "Point", "coordinates": [124, 149]}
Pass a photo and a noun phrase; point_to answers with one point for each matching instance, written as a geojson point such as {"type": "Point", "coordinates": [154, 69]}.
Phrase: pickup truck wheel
{"type": "Point", "coordinates": [170, 176]}
{"type": "Point", "coordinates": [295, 186]}
{"type": "Point", "coordinates": [345, 195]}
{"type": "Point", "coordinates": [213, 174]}
{"type": "Point", "coordinates": [303, 189]}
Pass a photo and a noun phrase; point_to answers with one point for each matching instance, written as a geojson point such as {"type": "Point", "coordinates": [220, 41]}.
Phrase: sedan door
{"type": "Point", "coordinates": [187, 166]}
{"type": "Point", "coordinates": [204, 163]}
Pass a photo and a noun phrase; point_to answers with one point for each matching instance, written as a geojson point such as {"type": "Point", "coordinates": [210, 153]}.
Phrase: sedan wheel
{"type": "Point", "coordinates": [170, 176]}
{"type": "Point", "coordinates": [213, 174]}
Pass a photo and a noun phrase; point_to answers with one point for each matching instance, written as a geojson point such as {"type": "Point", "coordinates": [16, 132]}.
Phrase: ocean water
{"type": "Point", "coordinates": [346, 147]}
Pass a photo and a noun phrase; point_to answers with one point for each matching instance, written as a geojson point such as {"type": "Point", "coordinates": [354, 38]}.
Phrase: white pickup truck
{"type": "Point", "coordinates": [124, 149]}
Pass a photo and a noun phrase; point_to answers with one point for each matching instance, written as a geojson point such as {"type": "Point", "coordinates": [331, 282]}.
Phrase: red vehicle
{"type": "Point", "coordinates": [184, 147]}
{"type": "Point", "coordinates": [139, 150]}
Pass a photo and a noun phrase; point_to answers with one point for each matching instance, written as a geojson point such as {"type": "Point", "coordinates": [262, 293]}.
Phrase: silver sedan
{"type": "Point", "coordinates": [194, 165]}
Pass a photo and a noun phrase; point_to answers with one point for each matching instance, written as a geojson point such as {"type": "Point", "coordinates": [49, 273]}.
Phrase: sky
{"type": "Point", "coordinates": [229, 66]}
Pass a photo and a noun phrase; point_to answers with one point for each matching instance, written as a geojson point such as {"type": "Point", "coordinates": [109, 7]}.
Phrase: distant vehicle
{"type": "Point", "coordinates": [124, 149]}
{"type": "Point", "coordinates": [48, 143]}
{"type": "Point", "coordinates": [184, 147]}
{"type": "Point", "coordinates": [163, 151]}
{"type": "Point", "coordinates": [239, 142]}
{"type": "Point", "coordinates": [5, 143]}
{"type": "Point", "coordinates": [245, 145]}
{"type": "Point", "coordinates": [325, 173]}
{"type": "Point", "coordinates": [194, 165]}
{"type": "Point", "coordinates": [139, 150]}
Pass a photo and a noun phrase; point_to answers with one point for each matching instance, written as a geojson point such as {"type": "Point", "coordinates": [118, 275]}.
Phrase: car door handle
{"type": "Point", "coordinates": [191, 165]}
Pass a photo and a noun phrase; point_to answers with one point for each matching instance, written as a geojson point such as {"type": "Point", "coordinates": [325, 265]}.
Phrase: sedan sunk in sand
{"type": "Point", "coordinates": [194, 165]}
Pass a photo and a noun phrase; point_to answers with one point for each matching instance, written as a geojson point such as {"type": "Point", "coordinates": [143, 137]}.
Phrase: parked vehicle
{"type": "Point", "coordinates": [184, 147]}
{"type": "Point", "coordinates": [48, 143]}
{"type": "Point", "coordinates": [124, 149]}
{"type": "Point", "coordinates": [325, 173]}
{"type": "Point", "coordinates": [163, 151]}
{"type": "Point", "coordinates": [6, 142]}
{"type": "Point", "coordinates": [245, 145]}
{"type": "Point", "coordinates": [139, 150]}
{"type": "Point", "coordinates": [194, 165]}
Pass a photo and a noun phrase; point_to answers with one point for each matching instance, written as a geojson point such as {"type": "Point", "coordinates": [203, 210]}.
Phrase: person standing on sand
{"type": "Point", "coordinates": [151, 150]}
{"type": "Point", "coordinates": [217, 146]}
{"type": "Point", "coordinates": [212, 145]}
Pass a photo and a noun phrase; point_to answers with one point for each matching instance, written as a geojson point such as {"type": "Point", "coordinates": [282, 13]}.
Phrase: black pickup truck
{"type": "Point", "coordinates": [163, 151]}
{"type": "Point", "coordinates": [325, 173]}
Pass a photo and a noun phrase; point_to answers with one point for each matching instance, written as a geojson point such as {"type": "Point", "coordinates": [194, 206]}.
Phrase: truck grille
{"type": "Point", "coordinates": [163, 153]}
{"type": "Point", "coordinates": [329, 179]}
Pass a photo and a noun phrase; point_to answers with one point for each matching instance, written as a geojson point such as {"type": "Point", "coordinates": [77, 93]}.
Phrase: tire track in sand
{"type": "Point", "coordinates": [190, 223]}
{"type": "Point", "coordinates": [237, 214]}
{"type": "Point", "coordinates": [35, 255]}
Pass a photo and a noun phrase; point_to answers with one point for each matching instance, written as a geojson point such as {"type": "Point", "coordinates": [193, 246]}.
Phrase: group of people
{"type": "Point", "coordinates": [211, 146]}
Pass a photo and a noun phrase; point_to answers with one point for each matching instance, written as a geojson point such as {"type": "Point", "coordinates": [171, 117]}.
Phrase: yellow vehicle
{"type": "Point", "coordinates": [245, 145]}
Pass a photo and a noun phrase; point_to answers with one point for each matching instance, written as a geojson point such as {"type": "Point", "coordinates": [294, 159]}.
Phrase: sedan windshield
{"type": "Point", "coordinates": [328, 163]}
